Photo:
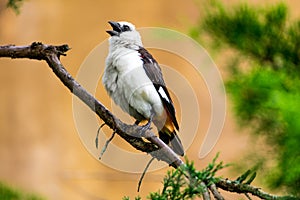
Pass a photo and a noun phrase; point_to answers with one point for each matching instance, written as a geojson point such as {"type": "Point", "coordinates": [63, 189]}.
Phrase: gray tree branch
{"type": "Point", "coordinates": [215, 192]}
{"type": "Point", "coordinates": [240, 188]}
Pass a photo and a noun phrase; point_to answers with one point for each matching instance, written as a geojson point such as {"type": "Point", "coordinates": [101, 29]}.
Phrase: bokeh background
{"type": "Point", "coordinates": [40, 150]}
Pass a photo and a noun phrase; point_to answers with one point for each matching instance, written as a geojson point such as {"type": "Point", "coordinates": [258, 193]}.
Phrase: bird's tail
{"type": "Point", "coordinates": [172, 139]}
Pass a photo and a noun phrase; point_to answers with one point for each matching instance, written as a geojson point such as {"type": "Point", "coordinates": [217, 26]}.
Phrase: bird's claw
{"type": "Point", "coordinates": [147, 126]}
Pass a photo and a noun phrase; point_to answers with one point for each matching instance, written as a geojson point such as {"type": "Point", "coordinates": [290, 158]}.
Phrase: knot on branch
{"type": "Point", "coordinates": [45, 50]}
{"type": "Point", "coordinates": [36, 50]}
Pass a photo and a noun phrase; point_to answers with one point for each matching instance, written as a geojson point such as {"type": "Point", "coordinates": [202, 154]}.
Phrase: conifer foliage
{"type": "Point", "coordinates": [266, 91]}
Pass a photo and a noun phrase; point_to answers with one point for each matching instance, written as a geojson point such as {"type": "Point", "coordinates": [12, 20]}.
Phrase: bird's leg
{"type": "Point", "coordinates": [147, 126]}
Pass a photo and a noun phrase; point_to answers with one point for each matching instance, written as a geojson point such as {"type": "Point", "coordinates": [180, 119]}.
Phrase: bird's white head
{"type": "Point", "coordinates": [123, 34]}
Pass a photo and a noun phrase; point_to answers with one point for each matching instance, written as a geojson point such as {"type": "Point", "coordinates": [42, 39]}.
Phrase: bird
{"type": "Point", "coordinates": [134, 80]}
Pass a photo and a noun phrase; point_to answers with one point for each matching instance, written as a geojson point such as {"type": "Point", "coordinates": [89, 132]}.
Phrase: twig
{"type": "Point", "coordinates": [144, 173]}
{"type": "Point", "coordinates": [106, 145]}
{"type": "Point", "coordinates": [97, 136]}
{"type": "Point", "coordinates": [248, 197]}
{"type": "Point", "coordinates": [232, 186]}
{"type": "Point", "coordinates": [215, 192]}
{"type": "Point", "coordinates": [205, 194]}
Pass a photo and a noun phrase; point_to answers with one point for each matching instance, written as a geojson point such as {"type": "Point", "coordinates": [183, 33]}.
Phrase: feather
{"type": "Point", "coordinates": [154, 73]}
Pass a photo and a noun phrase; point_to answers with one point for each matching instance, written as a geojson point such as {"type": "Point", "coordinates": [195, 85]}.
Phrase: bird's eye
{"type": "Point", "coordinates": [126, 28]}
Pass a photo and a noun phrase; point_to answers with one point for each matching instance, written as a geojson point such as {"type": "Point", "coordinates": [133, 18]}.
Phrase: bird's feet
{"type": "Point", "coordinates": [145, 127]}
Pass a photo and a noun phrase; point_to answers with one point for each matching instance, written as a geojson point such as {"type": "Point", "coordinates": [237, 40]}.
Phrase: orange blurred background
{"type": "Point", "coordinates": [40, 150]}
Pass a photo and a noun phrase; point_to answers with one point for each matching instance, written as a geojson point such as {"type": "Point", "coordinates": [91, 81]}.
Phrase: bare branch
{"type": "Point", "coordinates": [232, 186]}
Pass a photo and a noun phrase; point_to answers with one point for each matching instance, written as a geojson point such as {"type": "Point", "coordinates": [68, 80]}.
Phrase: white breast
{"type": "Point", "coordinates": [128, 84]}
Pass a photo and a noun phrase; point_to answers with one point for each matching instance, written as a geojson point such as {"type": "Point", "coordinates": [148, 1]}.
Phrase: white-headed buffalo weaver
{"type": "Point", "coordinates": [133, 79]}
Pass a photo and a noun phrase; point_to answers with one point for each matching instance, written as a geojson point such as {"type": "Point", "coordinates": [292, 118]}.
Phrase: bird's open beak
{"type": "Point", "coordinates": [116, 29]}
